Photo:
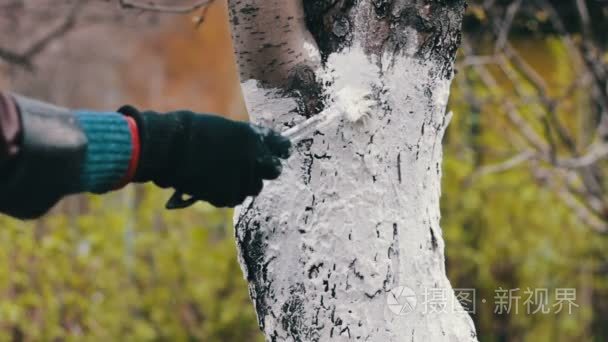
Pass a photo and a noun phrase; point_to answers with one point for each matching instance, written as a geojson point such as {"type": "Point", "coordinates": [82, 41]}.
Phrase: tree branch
{"type": "Point", "coordinates": [583, 213]}
{"type": "Point", "coordinates": [513, 114]}
{"type": "Point", "coordinates": [503, 35]}
{"type": "Point", "coordinates": [24, 59]}
{"type": "Point", "coordinates": [595, 155]}
{"type": "Point", "coordinates": [15, 58]}
{"type": "Point", "coordinates": [150, 6]}
{"type": "Point", "coordinates": [507, 165]}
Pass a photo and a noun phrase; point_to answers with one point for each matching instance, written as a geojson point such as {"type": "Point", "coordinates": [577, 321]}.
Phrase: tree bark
{"type": "Point", "coordinates": [356, 212]}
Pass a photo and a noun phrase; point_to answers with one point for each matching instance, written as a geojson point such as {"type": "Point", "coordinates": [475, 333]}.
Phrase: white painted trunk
{"type": "Point", "coordinates": [356, 212]}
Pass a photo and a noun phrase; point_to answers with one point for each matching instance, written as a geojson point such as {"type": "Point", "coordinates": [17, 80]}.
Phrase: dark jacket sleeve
{"type": "Point", "coordinates": [10, 130]}
{"type": "Point", "coordinates": [42, 153]}
{"type": "Point", "coordinates": [48, 152]}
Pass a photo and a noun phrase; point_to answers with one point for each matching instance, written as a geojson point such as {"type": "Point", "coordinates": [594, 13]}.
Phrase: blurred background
{"type": "Point", "coordinates": [524, 189]}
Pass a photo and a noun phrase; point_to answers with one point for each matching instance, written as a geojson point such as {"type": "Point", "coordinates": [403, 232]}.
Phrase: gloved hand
{"type": "Point", "coordinates": [207, 157]}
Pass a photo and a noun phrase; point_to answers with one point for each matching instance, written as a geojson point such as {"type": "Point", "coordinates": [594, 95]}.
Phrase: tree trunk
{"type": "Point", "coordinates": [356, 212]}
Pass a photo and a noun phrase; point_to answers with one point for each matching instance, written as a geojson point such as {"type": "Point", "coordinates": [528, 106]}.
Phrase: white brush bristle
{"type": "Point", "coordinates": [355, 103]}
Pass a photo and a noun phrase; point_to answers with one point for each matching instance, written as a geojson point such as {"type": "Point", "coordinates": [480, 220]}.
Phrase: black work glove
{"type": "Point", "coordinates": [207, 157]}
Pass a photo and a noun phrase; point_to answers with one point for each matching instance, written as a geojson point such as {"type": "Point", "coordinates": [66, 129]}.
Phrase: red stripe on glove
{"type": "Point", "coordinates": [135, 154]}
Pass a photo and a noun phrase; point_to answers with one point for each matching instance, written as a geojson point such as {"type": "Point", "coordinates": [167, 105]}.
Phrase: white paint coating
{"type": "Point", "coordinates": [357, 214]}
{"type": "Point", "coordinates": [352, 78]}
{"type": "Point", "coordinates": [352, 101]}
{"type": "Point", "coordinates": [312, 51]}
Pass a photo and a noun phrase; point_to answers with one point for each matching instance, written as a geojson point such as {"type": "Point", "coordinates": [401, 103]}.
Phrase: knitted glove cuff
{"type": "Point", "coordinates": [108, 153]}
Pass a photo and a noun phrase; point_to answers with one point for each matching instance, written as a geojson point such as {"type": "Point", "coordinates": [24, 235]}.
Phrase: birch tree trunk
{"type": "Point", "coordinates": [328, 249]}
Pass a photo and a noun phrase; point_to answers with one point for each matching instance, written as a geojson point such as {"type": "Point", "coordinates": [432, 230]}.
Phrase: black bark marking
{"type": "Point", "coordinates": [304, 146]}
{"type": "Point", "coordinates": [387, 284]}
{"type": "Point", "coordinates": [382, 7]}
{"type": "Point", "coordinates": [399, 167]}
{"type": "Point", "coordinates": [329, 24]}
{"type": "Point", "coordinates": [393, 250]}
{"type": "Point", "coordinates": [373, 295]}
{"type": "Point", "coordinates": [292, 318]}
{"type": "Point", "coordinates": [304, 86]}
{"type": "Point", "coordinates": [322, 156]}
{"type": "Point", "coordinates": [434, 244]}
{"type": "Point", "coordinates": [313, 271]}
{"type": "Point", "coordinates": [341, 26]}
{"type": "Point", "coordinates": [345, 330]}
{"type": "Point", "coordinates": [253, 247]}
{"type": "Point", "coordinates": [249, 9]}
{"type": "Point", "coordinates": [353, 268]}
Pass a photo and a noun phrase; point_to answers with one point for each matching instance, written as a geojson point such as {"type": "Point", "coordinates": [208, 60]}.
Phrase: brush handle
{"type": "Point", "coordinates": [305, 128]}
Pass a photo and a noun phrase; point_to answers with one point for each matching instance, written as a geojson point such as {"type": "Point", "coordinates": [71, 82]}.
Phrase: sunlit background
{"type": "Point", "coordinates": [524, 204]}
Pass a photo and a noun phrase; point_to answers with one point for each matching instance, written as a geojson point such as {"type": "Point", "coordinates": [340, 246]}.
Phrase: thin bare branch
{"type": "Point", "coordinates": [584, 214]}
{"type": "Point", "coordinates": [585, 17]}
{"type": "Point", "coordinates": [24, 59]}
{"type": "Point", "coordinates": [512, 113]}
{"type": "Point", "coordinates": [200, 19]}
{"type": "Point", "coordinates": [507, 165]}
{"type": "Point", "coordinates": [597, 153]}
{"type": "Point", "coordinates": [590, 56]}
{"type": "Point", "coordinates": [469, 61]}
{"type": "Point", "coordinates": [153, 7]}
{"type": "Point", "coordinates": [503, 35]}
{"type": "Point", "coordinates": [574, 173]}
{"type": "Point", "coordinates": [527, 71]}
{"type": "Point", "coordinates": [15, 58]}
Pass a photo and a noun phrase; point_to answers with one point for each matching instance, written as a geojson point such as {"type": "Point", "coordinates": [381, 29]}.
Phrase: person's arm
{"type": "Point", "coordinates": [58, 152]}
